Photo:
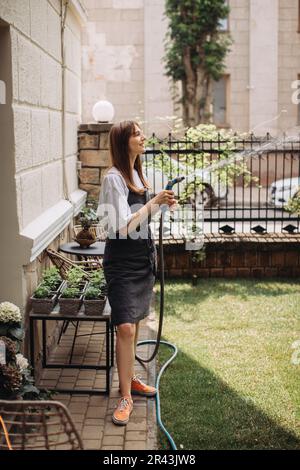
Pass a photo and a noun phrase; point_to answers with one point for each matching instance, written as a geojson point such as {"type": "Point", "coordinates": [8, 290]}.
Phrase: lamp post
{"type": "Point", "coordinates": [103, 111]}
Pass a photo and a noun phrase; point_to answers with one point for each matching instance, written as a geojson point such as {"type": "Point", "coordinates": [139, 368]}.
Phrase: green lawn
{"type": "Point", "coordinates": [233, 384]}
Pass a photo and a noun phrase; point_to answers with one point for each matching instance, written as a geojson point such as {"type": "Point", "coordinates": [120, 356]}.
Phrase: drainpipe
{"type": "Point", "coordinates": [64, 10]}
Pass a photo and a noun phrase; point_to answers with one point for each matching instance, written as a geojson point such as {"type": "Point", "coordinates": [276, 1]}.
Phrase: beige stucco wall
{"type": "Point", "coordinates": [288, 62]}
{"type": "Point", "coordinates": [34, 156]}
{"type": "Point", "coordinates": [113, 57]}
{"type": "Point", "coordinates": [237, 66]}
{"type": "Point", "coordinates": [263, 66]}
{"type": "Point", "coordinates": [122, 51]}
{"type": "Point", "coordinates": [123, 48]}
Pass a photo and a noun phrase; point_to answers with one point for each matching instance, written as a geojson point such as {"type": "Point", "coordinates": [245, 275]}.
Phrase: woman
{"type": "Point", "coordinates": [130, 257]}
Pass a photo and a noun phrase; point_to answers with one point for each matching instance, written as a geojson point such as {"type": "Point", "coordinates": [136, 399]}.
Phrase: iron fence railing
{"type": "Point", "coordinates": [245, 188]}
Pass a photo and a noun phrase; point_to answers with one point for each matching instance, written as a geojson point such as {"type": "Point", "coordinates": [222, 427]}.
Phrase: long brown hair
{"type": "Point", "coordinates": [118, 145]}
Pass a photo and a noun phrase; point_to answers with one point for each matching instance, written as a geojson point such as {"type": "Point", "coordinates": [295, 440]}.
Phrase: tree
{"type": "Point", "coordinates": [195, 52]}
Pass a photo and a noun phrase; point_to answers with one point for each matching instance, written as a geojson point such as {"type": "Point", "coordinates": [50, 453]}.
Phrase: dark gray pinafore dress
{"type": "Point", "coordinates": [129, 268]}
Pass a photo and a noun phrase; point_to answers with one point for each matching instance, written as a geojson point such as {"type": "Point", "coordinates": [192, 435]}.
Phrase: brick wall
{"type": "Point", "coordinates": [273, 256]}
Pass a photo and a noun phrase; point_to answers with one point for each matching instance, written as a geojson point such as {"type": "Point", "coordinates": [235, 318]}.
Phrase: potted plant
{"type": "Point", "coordinates": [76, 278]}
{"type": "Point", "coordinates": [16, 381]}
{"type": "Point", "coordinates": [97, 280]}
{"type": "Point", "coordinates": [70, 300]}
{"type": "Point", "coordinates": [43, 299]}
{"type": "Point", "coordinates": [94, 301]}
{"type": "Point", "coordinates": [11, 321]}
{"type": "Point", "coordinates": [52, 279]}
{"type": "Point", "coordinates": [86, 237]}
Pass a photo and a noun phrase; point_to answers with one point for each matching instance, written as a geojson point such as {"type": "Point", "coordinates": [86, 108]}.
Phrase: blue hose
{"type": "Point", "coordinates": [157, 398]}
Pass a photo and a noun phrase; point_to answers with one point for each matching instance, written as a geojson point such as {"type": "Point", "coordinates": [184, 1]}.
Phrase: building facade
{"type": "Point", "coordinates": [40, 76]}
{"type": "Point", "coordinates": [122, 62]}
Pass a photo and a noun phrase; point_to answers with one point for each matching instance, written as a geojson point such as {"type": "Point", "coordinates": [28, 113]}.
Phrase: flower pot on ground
{"type": "Point", "coordinates": [43, 300]}
{"type": "Point", "coordinates": [11, 321]}
{"type": "Point", "coordinates": [94, 301]}
{"type": "Point", "coordinates": [70, 301]}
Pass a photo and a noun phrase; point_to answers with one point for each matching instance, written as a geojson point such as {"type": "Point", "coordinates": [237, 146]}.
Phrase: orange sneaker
{"type": "Point", "coordinates": [123, 411]}
{"type": "Point", "coordinates": [139, 388]}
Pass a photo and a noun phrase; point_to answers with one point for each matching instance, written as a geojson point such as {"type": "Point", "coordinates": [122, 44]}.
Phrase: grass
{"type": "Point", "coordinates": [233, 384]}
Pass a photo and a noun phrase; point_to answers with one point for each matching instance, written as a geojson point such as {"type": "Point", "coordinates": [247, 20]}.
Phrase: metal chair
{"type": "Point", "coordinates": [37, 425]}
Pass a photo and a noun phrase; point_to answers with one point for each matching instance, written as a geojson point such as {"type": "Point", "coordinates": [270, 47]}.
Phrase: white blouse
{"type": "Point", "coordinates": [113, 209]}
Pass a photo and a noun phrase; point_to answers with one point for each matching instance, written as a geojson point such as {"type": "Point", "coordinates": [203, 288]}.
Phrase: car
{"type": "Point", "coordinates": [212, 191]}
{"type": "Point", "coordinates": [281, 191]}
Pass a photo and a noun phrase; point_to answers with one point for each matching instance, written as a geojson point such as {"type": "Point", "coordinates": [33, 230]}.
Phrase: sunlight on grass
{"type": "Point", "coordinates": [233, 384]}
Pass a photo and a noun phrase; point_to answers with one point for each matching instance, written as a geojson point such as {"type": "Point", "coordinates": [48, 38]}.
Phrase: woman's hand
{"type": "Point", "coordinates": [165, 197]}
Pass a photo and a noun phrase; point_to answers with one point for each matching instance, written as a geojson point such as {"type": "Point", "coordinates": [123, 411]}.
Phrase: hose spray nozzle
{"type": "Point", "coordinates": [169, 186]}
{"type": "Point", "coordinates": [174, 181]}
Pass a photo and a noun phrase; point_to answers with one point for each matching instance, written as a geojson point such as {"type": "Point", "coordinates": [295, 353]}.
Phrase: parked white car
{"type": "Point", "coordinates": [282, 190]}
{"type": "Point", "coordinates": [212, 192]}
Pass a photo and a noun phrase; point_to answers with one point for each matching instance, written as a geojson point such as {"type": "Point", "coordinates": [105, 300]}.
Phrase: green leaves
{"type": "Point", "coordinates": [16, 333]}
{"type": "Point", "coordinates": [195, 47]}
{"type": "Point", "coordinates": [13, 331]}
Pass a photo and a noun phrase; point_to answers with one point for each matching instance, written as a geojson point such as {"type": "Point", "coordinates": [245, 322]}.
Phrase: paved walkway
{"type": "Point", "coordinates": [92, 413]}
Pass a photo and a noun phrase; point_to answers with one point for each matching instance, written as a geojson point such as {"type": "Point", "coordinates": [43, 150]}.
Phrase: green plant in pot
{"type": "Point", "coordinates": [16, 379]}
{"type": "Point", "coordinates": [52, 278]}
{"type": "Point", "coordinates": [70, 300]}
{"type": "Point", "coordinates": [86, 237]}
{"type": "Point", "coordinates": [11, 321]}
{"type": "Point", "coordinates": [43, 299]}
{"type": "Point", "coordinates": [94, 301]}
{"type": "Point", "coordinates": [97, 280]}
{"type": "Point", "coordinates": [76, 278]}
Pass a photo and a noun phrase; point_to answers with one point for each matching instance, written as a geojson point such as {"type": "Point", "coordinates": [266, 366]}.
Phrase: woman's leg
{"type": "Point", "coordinates": [125, 352]}
{"type": "Point", "coordinates": [137, 328]}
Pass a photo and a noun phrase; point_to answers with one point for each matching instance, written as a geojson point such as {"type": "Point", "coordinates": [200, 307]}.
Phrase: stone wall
{"type": "Point", "coordinates": [93, 156]}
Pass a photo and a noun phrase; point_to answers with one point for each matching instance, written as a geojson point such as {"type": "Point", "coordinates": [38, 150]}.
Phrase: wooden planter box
{"type": "Point", "coordinates": [69, 306]}
{"type": "Point", "coordinates": [43, 305]}
{"type": "Point", "coordinates": [94, 307]}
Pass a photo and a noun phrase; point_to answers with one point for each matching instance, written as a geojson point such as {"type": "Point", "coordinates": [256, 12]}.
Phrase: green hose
{"type": "Point", "coordinates": [157, 398]}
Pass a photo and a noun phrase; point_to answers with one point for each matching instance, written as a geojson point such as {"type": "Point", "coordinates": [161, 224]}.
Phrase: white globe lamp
{"type": "Point", "coordinates": [103, 111]}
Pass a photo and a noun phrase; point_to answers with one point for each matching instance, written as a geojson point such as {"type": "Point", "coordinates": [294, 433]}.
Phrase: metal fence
{"type": "Point", "coordinates": [245, 186]}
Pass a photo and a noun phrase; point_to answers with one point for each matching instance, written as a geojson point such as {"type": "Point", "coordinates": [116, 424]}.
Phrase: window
{"type": "Point", "coordinates": [224, 24]}
{"type": "Point", "coordinates": [220, 102]}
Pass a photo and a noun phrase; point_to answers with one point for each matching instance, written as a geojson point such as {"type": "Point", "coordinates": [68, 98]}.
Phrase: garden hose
{"type": "Point", "coordinates": [158, 340]}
